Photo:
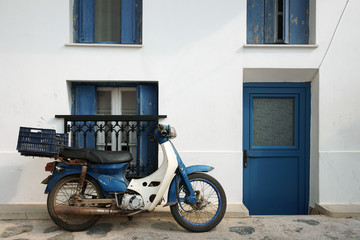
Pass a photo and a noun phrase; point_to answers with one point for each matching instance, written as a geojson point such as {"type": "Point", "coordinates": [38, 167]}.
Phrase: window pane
{"type": "Point", "coordinates": [103, 107]}
{"type": "Point", "coordinates": [107, 20]}
{"type": "Point", "coordinates": [103, 102]}
{"type": "Point", "coordinates": [273, 122]}
{"type": "Point", "coordinates": [128, 100]}
{"type": "Point", "coordinates": [280, 23]}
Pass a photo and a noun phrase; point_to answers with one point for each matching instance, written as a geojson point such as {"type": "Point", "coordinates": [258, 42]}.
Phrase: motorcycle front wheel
{"type": "Point", "coordinates": [62, 194]}
{"type": "Point", "coordinates": [209, 209]}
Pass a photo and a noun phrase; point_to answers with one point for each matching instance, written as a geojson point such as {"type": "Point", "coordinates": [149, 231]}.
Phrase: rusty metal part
{"type": "Point", "coordinates": [81, 162]}
{"type": "Point", "coordinates": [94, 201]}
{"type": "Point", "coordinates": [73, 210]}
{"type": "Point", "coordinates": [81, 181]}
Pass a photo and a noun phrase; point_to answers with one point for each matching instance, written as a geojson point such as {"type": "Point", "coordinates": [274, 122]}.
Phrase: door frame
{"type": "Point", "coordinates": [307, 114]}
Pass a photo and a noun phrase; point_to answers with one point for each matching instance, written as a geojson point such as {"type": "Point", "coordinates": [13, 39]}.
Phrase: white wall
{"type": "Point", "coordinates": [195, 50]}
{"type": "Point", "coordinates": [179, 47]}
{"type": "Point", "coordinates": [314, 142]}
{"type": "Point", "coordinates": [339, 162]}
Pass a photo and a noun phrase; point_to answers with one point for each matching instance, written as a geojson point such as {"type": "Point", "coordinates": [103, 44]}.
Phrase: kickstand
{"type": "Point", "coordinates": [130, 218]}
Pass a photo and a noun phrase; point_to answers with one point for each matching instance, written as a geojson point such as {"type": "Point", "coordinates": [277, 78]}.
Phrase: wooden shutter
{"type": "Point", "coordinates": [255, 21]}
{"type": "Point", "coordinates": [86, 26]}
{"type": "Point", "coordinates": [147, 104]}
{"type": "Point", "coordinates": [299, 21]}
{"type": "Point", "coordinates": [131, 21]}
{"type": "Point", "coordinates": [269, 22]}
{"type": "Point", "coordinates": [131, 17]}
{"type": "Point", "coordinates": [261, 21]}
{"type": "Point", "coordinates": [85, 104]}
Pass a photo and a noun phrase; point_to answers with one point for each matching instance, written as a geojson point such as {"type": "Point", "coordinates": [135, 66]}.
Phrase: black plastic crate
{"type": "Point", "coordinates": [40, 142]}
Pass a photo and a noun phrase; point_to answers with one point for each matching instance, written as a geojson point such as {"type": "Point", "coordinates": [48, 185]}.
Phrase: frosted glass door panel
{"type": "Point", "coordinates": [273, 121]}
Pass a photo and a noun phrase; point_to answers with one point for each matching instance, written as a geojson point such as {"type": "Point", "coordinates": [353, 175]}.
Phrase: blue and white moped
{"type": "Point", "coordinates": [88, 183]}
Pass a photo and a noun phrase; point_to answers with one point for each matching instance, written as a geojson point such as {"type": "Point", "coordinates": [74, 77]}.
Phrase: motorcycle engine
{"type": "Point", "coordinates": [132, 202]}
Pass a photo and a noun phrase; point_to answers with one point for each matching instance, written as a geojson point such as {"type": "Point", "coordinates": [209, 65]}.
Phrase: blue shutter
{"type": "Point", "coordinates": [76, 21]}
{"type": "Point", "coordinates": [299, 21]}
{"type": "Point", "coordinates": [261, 19]}
{"type": "Point", "coordinates": [286, 19]}
{"type": "Point", "coordinates": [85, 104]}
{"type": "Point", "coordinates": [131, 17]}
{"type": "Point", "coordinates": [131, 21]}
{"type": "Point", "coordinates": [147, 97]}
{"type": "Point", "coordinates": [255, 21]}
{"type": "Point", "coordinates": [269, 23]}
{"type": "Point", "coordinates": [86, 14]}
{"type": "Point", "coordinates": [147, 104]}
{"type": "Point", "coordinates": [138, 21]}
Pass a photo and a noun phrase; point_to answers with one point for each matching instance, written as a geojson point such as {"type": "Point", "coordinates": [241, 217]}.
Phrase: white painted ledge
{"type": "Point", "coordinates": [311, 46]}
{"type": "Point", "coordinates": [339, 210]}
{"type": "Point", "coordinates": [39, 212]}
{"type": "Point", "coordinates": [103, 45]}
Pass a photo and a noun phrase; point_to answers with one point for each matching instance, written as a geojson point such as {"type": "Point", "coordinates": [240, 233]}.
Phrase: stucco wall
{"type": "Point", "coordinates": [195, 50]}
{"type": "Point", "coordinates": [339, 128]}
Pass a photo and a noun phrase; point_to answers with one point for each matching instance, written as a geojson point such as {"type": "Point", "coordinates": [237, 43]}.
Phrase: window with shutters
{"type": "Point", "coordinates": [277, 21]}
{"type": "Point", "coordinates": [107, 21]}
{"type": "Point", "coordinates": [108, 116]}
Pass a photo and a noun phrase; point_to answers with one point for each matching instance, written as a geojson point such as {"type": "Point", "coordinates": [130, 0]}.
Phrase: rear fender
{"type": "Point", "coordinates": [110, 177]}
{"type": "Point", "coordinates": [174, 186]}
{"type": "Point", "coordinates": [59, 174]}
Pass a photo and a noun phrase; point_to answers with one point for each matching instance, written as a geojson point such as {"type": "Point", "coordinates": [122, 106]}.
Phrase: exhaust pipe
{"type": "Point", "coordinates": [73, 210]}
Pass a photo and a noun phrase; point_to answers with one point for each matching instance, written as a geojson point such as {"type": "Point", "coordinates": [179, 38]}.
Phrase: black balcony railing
{"type": "Point", "coordinates": [131, 133]}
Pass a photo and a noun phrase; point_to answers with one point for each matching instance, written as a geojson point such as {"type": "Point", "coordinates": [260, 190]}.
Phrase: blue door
{"type": "Point", "coordinates": [276, 140]}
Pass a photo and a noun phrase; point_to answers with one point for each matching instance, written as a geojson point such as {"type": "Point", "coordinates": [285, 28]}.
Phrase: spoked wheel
{"type": "Point", "coordinates": [63, 194]}
{"type": "Point", "coordinates": [209, 209]}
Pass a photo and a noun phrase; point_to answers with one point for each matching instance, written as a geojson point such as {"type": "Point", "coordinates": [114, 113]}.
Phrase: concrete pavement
{"type": "Point", "coordinates": [164, 227]}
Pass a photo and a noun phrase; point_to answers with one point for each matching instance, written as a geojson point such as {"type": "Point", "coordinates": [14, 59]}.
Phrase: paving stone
{"type": "Point", "coordinates": [157, 228]}
{"type": "Point", "coordinates": [308, 221]}
{"type": "Point", "coordinates": [63, 236]}
{"type": "Point", "coordinates": [52, 229]}
{"type": "Point", "coordinates": [16, 230]}
{"type": "Point", "coordinates": [241, 230]}
{"type": "Point", "coordinates": [165, 226]}
{"type": "Point", "coordinates": [100, 230]}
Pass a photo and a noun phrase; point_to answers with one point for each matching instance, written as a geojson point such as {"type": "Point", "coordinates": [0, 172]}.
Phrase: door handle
{"type": "Point", "coordinates": [246, 158]}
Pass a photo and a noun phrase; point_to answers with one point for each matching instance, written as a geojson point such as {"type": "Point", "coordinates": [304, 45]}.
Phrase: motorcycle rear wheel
{"type": "Point", "coordinates": [62, 193]}
{"type": "Point", "coordinates": [210, 209]}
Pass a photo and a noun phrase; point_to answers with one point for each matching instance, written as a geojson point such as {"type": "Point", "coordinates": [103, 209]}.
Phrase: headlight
{"type": "Point", "coordinates": [167, 131]}
{"type": "Point", "coordinates": [172, 132]}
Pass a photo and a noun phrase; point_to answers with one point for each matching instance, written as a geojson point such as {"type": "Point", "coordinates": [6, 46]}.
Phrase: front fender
{"type": "Point", "coordinates": [174, 186]}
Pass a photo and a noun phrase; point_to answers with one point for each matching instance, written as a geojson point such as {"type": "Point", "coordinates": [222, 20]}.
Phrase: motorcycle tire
{"type": "Point", "coordinates": [62, 192]}
{"type": "Point", "coordinates": [208, 212]}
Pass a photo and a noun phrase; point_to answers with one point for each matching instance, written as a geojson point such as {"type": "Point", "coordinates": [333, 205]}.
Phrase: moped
{"type": "Point", "coordinates": [87, 183]}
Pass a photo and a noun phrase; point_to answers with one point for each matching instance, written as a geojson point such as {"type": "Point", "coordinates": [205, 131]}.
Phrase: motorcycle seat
{"type": "Point", "coordinates": [96, 156]}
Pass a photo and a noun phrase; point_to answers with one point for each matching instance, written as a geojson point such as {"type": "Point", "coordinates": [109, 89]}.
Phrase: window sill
{"type": "Point", "coordinates": [103, 45]}
{"type": "Point", "coordinates": [281, 46]}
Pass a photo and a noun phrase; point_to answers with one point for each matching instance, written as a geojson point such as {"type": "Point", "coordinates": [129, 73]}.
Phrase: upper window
{"type": "Point", "coordinates": [110, 21]}
{"type": "Point", "coordinates": [278, 21]}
